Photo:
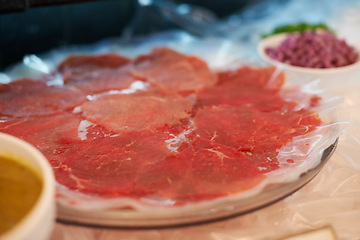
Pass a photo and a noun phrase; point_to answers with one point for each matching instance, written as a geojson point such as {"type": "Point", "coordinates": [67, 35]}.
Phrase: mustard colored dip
{"type": "Point", "coordinates": [20, 187]}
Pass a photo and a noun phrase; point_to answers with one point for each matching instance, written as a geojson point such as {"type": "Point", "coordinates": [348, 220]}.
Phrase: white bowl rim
{"type": "Point", "coordinates": [47, 194]}
{"type": "Point", "coordinates": [275, 40]}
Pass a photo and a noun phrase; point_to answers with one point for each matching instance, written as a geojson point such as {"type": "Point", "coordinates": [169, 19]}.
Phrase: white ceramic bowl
{"type": "Point", "coordinates": [332, 78]}
{"type": "Point", "coordinates": [39, 222]}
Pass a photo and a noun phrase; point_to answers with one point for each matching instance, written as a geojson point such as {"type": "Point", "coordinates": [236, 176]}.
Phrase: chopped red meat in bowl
{"type": "Point", "coordinates": [314, 50]}
{"type": "Point", "coordinates": [319, 54]}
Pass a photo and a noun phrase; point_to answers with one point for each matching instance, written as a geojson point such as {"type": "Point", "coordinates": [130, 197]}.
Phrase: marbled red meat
{"type": "Point", "coordinates": [202, 170]}
{"type": "Point", "coordinates": [253, 132]}
{"type": "Point", "coordinates": [82, 63]}
{"type": "Point", "coordinates": [27, 97]}
{"type": "Point", "coordinates": [173, 70]}
{"type": "Point", "coordinates": [109, 165]}
{"type": "Point", "coordinates": [243, 87]}
{"type": "Point", "coordinates": [138, 111]}
{"type": "Point", "coordinates": [49, 134]}
{"type": "Point", "coordinates": [155, 143]}
{"type": "Point", "coordinates": [93, 74]}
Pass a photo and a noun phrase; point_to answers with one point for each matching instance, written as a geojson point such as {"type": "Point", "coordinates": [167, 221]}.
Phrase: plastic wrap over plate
{"type": "Point", "coordinates": [223, 55]}
{"type": "Point", "coordinates": [190, 215]}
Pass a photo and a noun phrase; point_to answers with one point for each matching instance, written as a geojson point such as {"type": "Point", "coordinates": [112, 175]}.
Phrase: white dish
{"type": "Point", "coordinates": [330, 76]}
{"type": "Point", "coordinates": [39, 222]}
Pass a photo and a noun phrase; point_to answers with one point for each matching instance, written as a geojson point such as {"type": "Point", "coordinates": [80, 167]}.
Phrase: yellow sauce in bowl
{"type": "Point", "coordinates": [20, 187]}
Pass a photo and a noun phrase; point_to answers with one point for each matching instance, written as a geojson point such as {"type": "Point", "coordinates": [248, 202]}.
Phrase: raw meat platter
{"type": "Point", "coordinates": [163, 137]}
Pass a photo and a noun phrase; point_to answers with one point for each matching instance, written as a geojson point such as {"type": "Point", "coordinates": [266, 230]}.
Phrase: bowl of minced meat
{"type": "Point", "coordinates": [318, 53]}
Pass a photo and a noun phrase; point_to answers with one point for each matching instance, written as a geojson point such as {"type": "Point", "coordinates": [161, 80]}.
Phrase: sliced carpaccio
{"type": "Point", "coordinates": [139, 111]}
{"type": "Point", "coordinates": [93, 74]}
{"type": "Point", "coordinates": [162, 67]}
{"type": "Point", "coordinates": [109, 165]}
{"type": "Point", "coordinates": [81, 63]}
{"type": "Point", "coordinates": [49, 134]}
{"type": "Point", "coordinates": [257, 134]}
{"type": "Point", "coordinates": [259, 89]}
{"type": "Point", "coordinates": [173, 70]}
{"type": "Point", "coordinates": [28, 97]}
{"type": "Point", "coordinates": [219, 139]}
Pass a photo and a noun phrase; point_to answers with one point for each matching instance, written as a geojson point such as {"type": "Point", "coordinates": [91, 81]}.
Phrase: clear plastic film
{"type": "Point", "coordinates": [306, 151]}
{"type": "Point", "coordinates": [221, 57]}
{"type": "Point", "coordinates": [331, 198]}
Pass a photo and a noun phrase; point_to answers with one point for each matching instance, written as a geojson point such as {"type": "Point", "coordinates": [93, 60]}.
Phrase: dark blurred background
{"type": "Point", "coordinates": [35, 26]}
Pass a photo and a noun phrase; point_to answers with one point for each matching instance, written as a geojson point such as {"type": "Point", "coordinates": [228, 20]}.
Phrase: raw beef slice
{"type": "Point", "coordinates": [93, 74]}
{"type": "Point", "coordinates": [138, 111]}
{"type": "Point", "coordinates": [27, 97]}
{"type": "Point", "coordinates": [173, 70]}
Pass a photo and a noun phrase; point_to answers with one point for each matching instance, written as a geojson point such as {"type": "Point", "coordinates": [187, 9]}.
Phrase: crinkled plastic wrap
{"type": "Point", "coordinates": [306, 151]}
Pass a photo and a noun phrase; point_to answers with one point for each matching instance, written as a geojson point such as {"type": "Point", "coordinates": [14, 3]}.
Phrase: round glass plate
{"type": "Point", "coordinates": [194, 214]}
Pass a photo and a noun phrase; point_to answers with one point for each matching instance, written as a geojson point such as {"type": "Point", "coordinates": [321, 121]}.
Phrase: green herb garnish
{"type": "Point", "coordinates": [302, 27]}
